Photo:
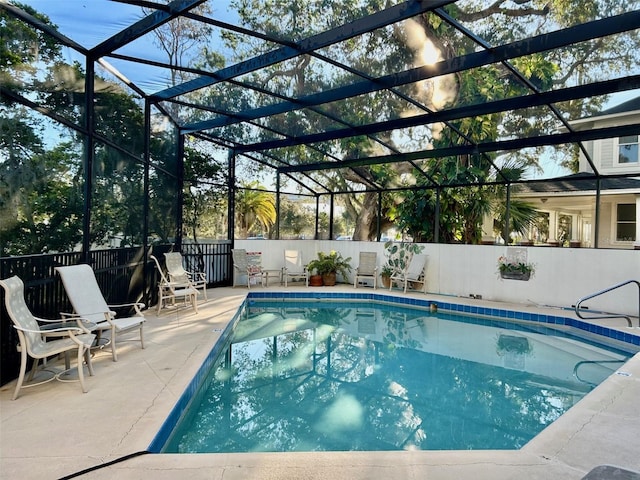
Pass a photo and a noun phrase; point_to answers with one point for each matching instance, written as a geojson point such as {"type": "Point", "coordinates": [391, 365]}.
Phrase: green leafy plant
{"type": "Point", "coordinates": [386, 270]}
{"type": "Point", "coordinates": [332, 262]}
{"type": "Point", "coordinates": [506, 265]}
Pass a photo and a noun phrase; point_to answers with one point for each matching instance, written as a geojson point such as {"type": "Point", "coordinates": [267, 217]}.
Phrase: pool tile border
{"type": "Point", "coordinates": [161, 438]}
{"type": "Point", "coordinates": [626, 337]}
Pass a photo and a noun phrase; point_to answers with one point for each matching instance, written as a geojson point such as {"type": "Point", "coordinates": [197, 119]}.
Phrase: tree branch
{"type": "Point", "coordinates": [497, 9]}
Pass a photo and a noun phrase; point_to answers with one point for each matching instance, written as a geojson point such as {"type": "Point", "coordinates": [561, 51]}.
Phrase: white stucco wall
{"type": "Point", "coordinates": [563, 275]}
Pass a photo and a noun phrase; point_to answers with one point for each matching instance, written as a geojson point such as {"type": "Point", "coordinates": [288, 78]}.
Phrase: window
{"type": "Point", "coordinates": [628, 149]}
{"type": "Point", "coordinates": [626, 222]}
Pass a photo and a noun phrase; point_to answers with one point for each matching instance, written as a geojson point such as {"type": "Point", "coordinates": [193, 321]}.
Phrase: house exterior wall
{"type": "Point", "coordinates": [604, 153]}
{"type": "Point", "coordinates": [606, 223]}
{"type": "Point", "coordinates": [580, 206]}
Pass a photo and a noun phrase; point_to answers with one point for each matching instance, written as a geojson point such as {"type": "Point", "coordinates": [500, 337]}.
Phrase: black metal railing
{"type": "Point", "coordinates": [212, 258]}
{"type": "Point", "coordinates": [124, 276]}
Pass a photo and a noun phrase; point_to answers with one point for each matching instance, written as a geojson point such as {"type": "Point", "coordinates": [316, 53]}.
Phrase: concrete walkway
{"type": "Point", "coordinates": [55, 431]}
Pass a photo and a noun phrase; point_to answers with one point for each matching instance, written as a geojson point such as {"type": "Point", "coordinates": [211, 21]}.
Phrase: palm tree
{"type": "Point", "coordinates": [522, 215]}
{"type": "Point", "coordinates": [462, 209]}
{"type": "Point", "coordinates": [254, 206]}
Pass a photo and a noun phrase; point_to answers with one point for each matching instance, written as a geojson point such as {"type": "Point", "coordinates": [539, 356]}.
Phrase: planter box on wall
{"type": "Point", "coordinates": [516, 275]}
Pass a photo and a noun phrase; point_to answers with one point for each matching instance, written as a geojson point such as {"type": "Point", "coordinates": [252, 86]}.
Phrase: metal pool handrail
{"type": "Point", "coordinates": [592, 362]}
{"type": "Point", "coordinates": [609, 315]}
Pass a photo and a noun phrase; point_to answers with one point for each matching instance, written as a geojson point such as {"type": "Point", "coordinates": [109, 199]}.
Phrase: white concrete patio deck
{"type": "Point", "coordinates": [54, 430]}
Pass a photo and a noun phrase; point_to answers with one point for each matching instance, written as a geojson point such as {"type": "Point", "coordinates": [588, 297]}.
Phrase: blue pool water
{"type": "Point", "coordinates": [360, 375]}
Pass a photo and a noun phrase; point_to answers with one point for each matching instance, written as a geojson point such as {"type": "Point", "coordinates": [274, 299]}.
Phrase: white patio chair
{"type": "Point", "coordinates": [367, 269]}
{"type": "Point", "coordinates": [294, 268]}
{"type": "Point", "coordinates": [415, 272]}
{"type": "Point", "coordinates": [241, 266]}
{"type": "Point", "coordinates": [170, 290]}
{"type": "Point", "coordinates": [88, 302]}
{"type": "Point", "coordinates": [178, 275]}
{"type": "Point", "coordinates": [32, 336]}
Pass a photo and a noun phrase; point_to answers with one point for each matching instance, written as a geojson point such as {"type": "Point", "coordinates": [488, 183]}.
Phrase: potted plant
{"type": "Point", "coordinates": [514, 269]}
{"type": "Point", "coordinates": [315, 279]}
{"type": "Point", "coordinates": [385, 274]}
{"type": "Point", "coordinates": [329, 265]}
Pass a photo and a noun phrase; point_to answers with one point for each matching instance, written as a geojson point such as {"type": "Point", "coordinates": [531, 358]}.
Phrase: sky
{"type": "Point", "coordinates": [76, 19]}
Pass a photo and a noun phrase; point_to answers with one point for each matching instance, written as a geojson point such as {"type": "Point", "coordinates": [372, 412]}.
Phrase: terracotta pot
{"type": "Point", "coordinates": [386, 281]}
{"type": "Point", "coordinates": [329, 279]}
{"type": "Point", "coordinates": [315, 281]}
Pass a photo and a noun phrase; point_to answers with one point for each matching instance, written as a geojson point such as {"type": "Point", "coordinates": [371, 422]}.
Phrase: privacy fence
{"type": "Point", "coordinates": [125, 275]}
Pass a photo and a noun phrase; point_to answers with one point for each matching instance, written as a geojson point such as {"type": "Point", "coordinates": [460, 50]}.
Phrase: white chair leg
{"type": "Point", "coordinates": [81, 368]}
{"type": "Point", "coordinates": [87, 360]}
{"type": "Point", "coordinates": [23, 370]}
{"type": "Point", "coordinates": [159, 299]}
{"type": "Point", "coordinates": [113, 344]}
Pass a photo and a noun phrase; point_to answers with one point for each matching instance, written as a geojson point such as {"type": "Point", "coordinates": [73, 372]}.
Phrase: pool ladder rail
{"type": "Point", "coordinates": [579, 311]}
{"type": "Point", "coordinates": [592, 362]}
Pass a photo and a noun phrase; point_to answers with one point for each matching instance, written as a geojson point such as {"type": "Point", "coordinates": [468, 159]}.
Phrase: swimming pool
{"type": "Point", "coordinates": [364, 367]}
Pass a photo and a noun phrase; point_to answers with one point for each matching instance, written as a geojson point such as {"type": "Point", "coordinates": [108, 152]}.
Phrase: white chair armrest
{"type": "Point", "coordinates": [133, 304]}
{"type": "Point", "coordinates": [64, 319]}
{"type": "Point", "coordinates": [49, 320]}
{"type": "Point", "coordinates": [137, 305]}
{"type": "Point", "coordinates": [70, 330]}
